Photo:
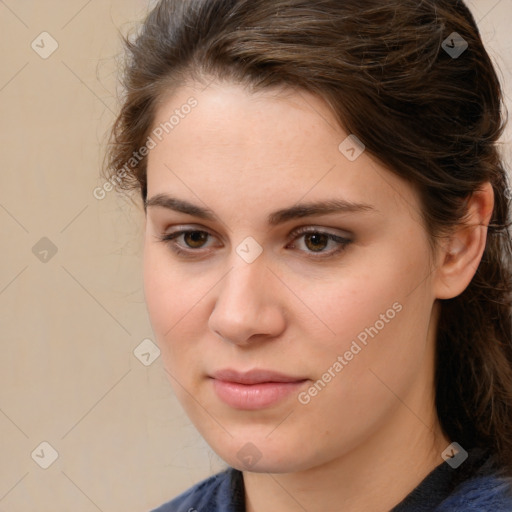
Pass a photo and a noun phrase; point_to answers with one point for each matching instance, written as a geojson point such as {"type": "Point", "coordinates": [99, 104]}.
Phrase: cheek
{"type": "Point", "coordinates": [175, 300]}
{"type": "Point", "coordinates": [381, 304]}
{"type": "Point", "coordinates": [391, 344]}
{"type": "Point", "coordinates": [159, 289]}
{"type": "Point", "coordinates": [167, 293]}
{"type": "Point", "coordinates": [357, 302]}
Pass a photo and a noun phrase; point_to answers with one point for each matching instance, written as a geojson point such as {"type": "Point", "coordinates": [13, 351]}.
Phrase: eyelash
{"type": "Point", "coordinates": [169, 239]}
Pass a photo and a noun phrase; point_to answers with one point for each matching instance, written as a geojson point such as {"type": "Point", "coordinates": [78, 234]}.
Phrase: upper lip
{"type": "Point", "coordinates": [255, 376]}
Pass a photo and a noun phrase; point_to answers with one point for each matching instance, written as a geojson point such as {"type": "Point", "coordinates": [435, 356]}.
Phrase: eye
{"type": "Point", "coordinates": [312, 241]}
{"type": "Point", "coordinates": [193, 239]}
{"type": "Point", "coordinates": [316, 241]}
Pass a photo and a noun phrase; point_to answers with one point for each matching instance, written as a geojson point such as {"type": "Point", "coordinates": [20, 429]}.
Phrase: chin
{"type": "Point", "coordinates": [260, 455]}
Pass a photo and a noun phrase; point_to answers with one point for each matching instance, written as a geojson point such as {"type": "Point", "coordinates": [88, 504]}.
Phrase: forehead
{"type": "Point", "coordinates": [228, 121]}
{"type": "Point", "coordinates": [261, 150]}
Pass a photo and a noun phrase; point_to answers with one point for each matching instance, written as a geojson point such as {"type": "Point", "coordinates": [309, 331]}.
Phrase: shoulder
{"type": "Point", "coordinates": [222, 492]}
{"type": "Point", "coordinates": [489, 492]}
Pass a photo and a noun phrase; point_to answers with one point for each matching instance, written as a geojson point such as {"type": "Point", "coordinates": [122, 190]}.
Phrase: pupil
{"type": "Point", "coordinates": [195, 238]}
{"type": "Point", "coordinates": [319, 241]}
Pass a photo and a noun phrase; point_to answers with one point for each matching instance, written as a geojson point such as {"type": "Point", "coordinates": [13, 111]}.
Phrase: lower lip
{"type": "Point", "coordinates": [254, 396]}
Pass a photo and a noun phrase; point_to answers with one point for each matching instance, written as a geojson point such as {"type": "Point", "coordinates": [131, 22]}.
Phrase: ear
{"type": "Point", "coordinates": [460, 255]}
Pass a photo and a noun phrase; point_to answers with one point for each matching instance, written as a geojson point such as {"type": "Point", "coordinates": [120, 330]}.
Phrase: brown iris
{"type": "Point", "coordinates": [195, 239]}
{"type": "Point", "coordinates": [316, 241]}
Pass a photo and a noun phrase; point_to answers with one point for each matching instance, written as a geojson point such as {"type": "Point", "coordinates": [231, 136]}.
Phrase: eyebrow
{"type": "Point", "coordinates": [296, 211]}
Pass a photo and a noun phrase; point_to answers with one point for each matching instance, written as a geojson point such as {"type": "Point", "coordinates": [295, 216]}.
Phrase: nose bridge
{"type": "Point", "coordinates": [244, 283]}
{"type": "Point", "coordinates": [244, 304]}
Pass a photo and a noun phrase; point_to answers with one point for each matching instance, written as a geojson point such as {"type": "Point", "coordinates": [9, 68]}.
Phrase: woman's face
{"type": "Point", "coordinates": [293, 313]}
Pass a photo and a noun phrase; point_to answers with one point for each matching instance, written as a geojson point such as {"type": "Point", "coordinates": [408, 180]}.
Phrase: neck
{"type": "Point", "coordinates": [376, 475]}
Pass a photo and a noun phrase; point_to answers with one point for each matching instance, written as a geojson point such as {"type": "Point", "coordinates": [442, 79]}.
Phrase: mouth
{"type": "Point", "coordinates": [255, 389]}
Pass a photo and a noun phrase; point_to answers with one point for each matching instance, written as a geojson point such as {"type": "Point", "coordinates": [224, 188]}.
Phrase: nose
{"type": "Point", "coordinates": [247, 306]}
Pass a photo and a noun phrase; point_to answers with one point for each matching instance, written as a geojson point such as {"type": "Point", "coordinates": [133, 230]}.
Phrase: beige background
{"type": "Point", "coordinates": [68, 374]}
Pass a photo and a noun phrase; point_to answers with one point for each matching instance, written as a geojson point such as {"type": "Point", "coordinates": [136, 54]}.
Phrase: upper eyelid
{"type": "Point", "coordinates": [295, 234]}
{"type": "Point", "coordinates": [342, 242]}
{"type": "Point", "coordinates": [297, 230]}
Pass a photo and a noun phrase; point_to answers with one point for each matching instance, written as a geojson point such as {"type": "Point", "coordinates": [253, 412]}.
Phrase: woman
{"type": "Point", "coordinates": [326, 255]}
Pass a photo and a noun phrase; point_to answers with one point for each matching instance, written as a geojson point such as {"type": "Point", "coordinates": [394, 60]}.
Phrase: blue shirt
{"type": "Point", "coordinates": [475, 488]}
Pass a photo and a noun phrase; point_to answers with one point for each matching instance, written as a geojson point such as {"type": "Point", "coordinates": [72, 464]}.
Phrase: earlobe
{"type": "Point", "coordinates": [460, 256]}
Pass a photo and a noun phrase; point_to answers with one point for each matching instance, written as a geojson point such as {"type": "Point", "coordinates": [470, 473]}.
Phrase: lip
{"type": "Point", "coordinates": [255, 389]}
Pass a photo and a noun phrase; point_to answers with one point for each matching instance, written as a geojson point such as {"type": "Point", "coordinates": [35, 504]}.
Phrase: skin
{"type": "Point", "coordinates": [245, 155]}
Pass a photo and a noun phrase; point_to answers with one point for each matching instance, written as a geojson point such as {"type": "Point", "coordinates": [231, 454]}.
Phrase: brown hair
{"type": "Point", "coordinates": [432, 118]}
